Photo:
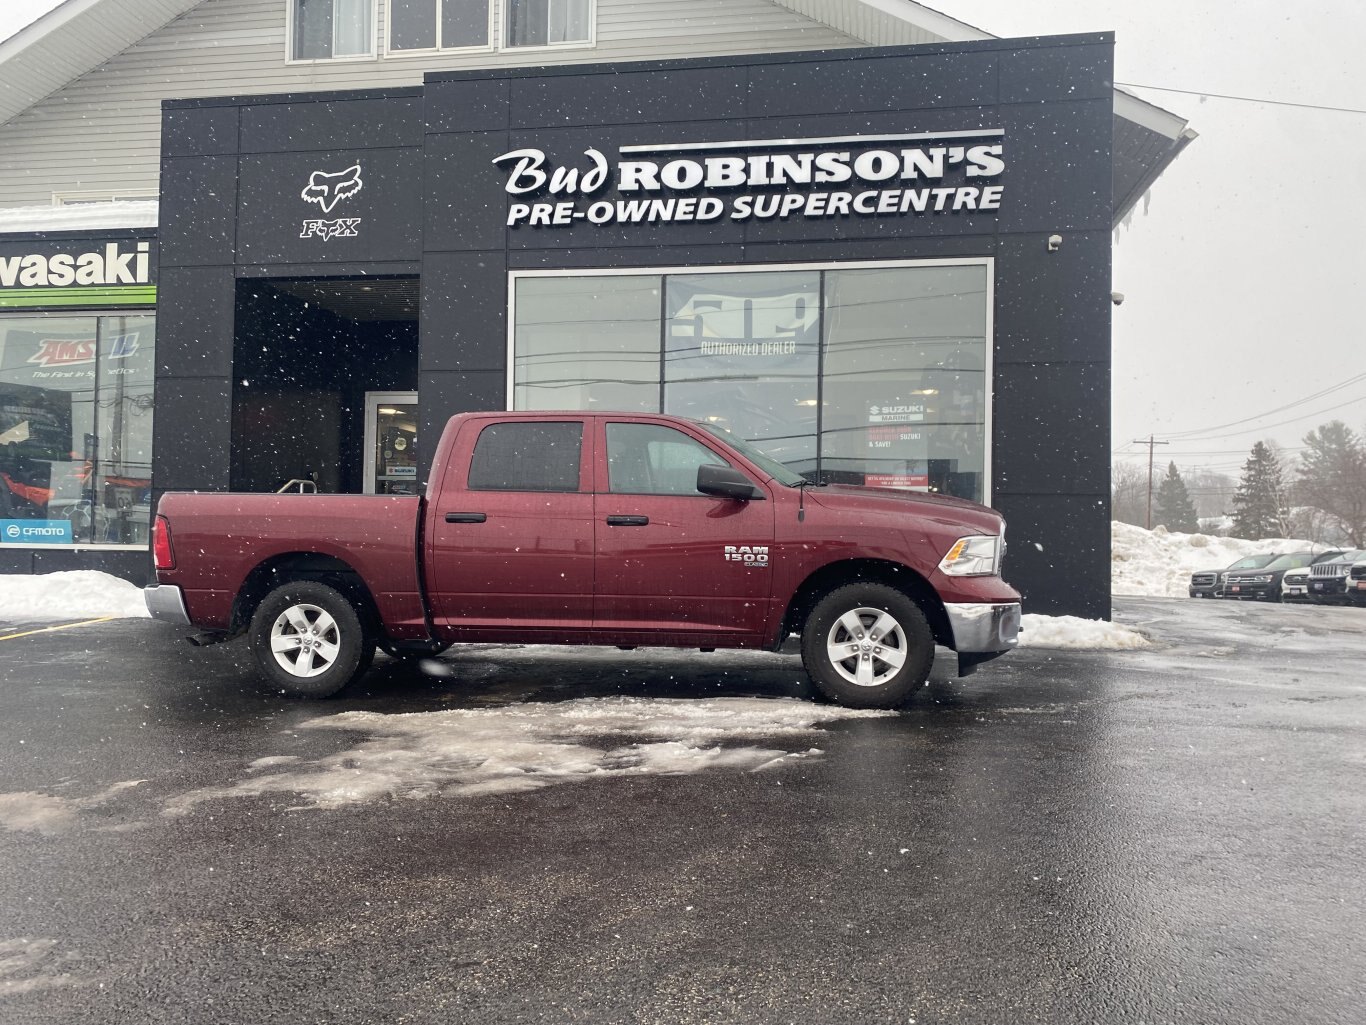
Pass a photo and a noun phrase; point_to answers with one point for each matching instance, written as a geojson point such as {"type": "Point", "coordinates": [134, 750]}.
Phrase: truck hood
{"type": "Point", "coordinates": [850, 498]}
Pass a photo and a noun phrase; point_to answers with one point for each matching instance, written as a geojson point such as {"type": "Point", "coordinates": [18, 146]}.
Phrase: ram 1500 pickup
{"type": "Point", "coordinates": [592, 528]}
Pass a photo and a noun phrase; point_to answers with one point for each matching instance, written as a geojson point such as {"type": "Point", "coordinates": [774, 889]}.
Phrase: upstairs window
{"type": "Point", "coordinates": [332, 29]}
{"type": "Point", "coordinates": [416, 25]}
{"type": "Point", "coordinates": [548, 22]}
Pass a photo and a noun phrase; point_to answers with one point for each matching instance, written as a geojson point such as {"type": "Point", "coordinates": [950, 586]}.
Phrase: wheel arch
{"type": "Point", "coordinates": [873, 571]}
{"type": "Point", "coordinates": [290, 566]}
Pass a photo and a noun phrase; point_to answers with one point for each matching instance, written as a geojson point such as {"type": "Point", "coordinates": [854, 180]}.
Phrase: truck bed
{"type": "Point", "coordinates": [220, 538]}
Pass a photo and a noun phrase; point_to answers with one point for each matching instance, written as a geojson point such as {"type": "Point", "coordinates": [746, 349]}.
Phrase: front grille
{"type": "Point", "coordinates": [1203, 579]}
{"type": "Point", "coordinates": [1328, 571]}
{"type": "Point", "coordinates": [1359, 572]}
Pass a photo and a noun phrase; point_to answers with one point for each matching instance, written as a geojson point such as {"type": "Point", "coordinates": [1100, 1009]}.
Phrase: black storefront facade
{"type": "Point", "coordinates": [885, 266]}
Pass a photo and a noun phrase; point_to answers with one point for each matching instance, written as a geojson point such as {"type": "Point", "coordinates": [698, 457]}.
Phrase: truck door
{"type": "Point", "coordinates": [510, 551]}
{"type": "Point", "coordinates": [671, 560]}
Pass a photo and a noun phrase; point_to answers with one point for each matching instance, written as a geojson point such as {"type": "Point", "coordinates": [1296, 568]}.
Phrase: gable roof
{"type": "Point", "coordinates": [78, 36]}
{"type": "Point", "coordinates": [71, 40]}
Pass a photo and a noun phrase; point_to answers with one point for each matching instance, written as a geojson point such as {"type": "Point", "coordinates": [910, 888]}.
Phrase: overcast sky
{"type": "Point", "coordinates": [1244, 278]}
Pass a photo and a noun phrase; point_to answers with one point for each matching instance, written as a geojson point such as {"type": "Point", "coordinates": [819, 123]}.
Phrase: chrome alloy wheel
{"type": "Point", "coordinates": [305, 640]}
{"type": "Point", "coordinates": [866, 646]}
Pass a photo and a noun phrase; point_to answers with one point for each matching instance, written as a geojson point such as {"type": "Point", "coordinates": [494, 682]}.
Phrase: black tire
{"type": "Point", "coordinates": [340, 641]}
{"type": "Point", "coordinates": [827, 630]}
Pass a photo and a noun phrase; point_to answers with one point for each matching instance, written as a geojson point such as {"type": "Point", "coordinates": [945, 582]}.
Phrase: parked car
{"type": "Point", "coordinates": [1356, 583]}
{"type": "Point", "coordinates": [1265, 583]}
{"type": "Point", "coordinates": [592, 528]}
{"type": "Point", "coordinates": [1328, 580]}
{"type": "Point", "coordinates": [1209, 583]}
{"type": "Point", "coordinates": [1295, 582]}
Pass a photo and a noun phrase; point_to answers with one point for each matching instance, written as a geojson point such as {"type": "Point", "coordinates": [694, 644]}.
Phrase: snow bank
{"type": "Point", "coordinates": [1159, 564]}
{"type": "Point", "coordinates": [1078, 634]}
{"type": "Point", "coordinates": [80, 594]}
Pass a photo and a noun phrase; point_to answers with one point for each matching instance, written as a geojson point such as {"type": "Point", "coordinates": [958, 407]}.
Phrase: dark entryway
{"type": "Point", "coordinates": [306, 352]}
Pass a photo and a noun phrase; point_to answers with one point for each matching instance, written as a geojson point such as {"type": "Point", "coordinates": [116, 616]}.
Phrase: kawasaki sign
{"type": "Point", "coordinates": [77, 273]}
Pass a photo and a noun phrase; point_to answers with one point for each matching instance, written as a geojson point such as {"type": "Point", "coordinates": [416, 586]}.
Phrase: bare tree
{"type": "Point", "coordinates": [1212, 492]}
{"type": "Point", "coordinates": [1129, 493]}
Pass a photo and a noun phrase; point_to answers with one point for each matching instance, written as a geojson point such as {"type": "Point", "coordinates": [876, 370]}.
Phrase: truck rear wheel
{"type": "Point", "coordinates": [867, 646]}
{"type": "Point", "coordinates": [308, 640]}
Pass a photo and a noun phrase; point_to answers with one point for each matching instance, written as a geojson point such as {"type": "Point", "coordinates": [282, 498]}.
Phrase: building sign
{"type": "Point", "coordinates": [924, 173]}
{"type": "Point", "coordinates": [66, 273]}
{"type": "Point", "coordinates": [36, 532]}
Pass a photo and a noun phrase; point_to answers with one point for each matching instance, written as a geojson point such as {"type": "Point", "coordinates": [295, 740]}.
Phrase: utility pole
{"type": "Point", "coordinates": [1150, 443]}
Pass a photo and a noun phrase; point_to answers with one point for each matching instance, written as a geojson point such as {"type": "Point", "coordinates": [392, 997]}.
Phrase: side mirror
{"type": "Point", "coordinates": [726, 482]}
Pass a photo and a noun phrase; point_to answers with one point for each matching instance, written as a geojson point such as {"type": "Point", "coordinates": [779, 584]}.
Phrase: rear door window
{"type": "Point", "coordinates": [527, 456]}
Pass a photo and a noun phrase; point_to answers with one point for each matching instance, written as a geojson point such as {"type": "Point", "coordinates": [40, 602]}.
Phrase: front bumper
{"type": "Point", "coordinates": [1243, 589]}
{"type": "Point", "coordinates": [984, 626]}
{"type": "Point", "coordinates": [166, 603]}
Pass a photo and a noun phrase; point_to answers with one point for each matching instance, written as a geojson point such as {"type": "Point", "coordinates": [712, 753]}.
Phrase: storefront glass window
{"type": "Point", "coordinates": [76, 429]}
{"type": "Point", "coordinates": [588, 343]}
{"type": "Point", "coordinates": [860, 375]}
{"type": "Point", "coordinates": [905, 383]}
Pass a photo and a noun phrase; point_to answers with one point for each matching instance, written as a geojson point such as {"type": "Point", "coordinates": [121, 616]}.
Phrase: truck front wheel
{"type": "Point", "coordinates": [867, 646]}
{"type": "Point", "coordinates": [308, 640]}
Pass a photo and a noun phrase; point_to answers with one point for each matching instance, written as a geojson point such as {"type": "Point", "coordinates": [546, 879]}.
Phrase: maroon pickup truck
{"type": "Point", "coordinates": [592, 528]}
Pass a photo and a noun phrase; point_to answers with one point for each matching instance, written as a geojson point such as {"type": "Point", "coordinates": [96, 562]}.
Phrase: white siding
{"type": "Point", "coordinates": [101, 132]}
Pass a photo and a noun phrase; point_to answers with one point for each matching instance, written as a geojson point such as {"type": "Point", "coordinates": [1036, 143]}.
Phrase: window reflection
{"type": "Point", "coordinates": [587, 343]}
{"type": "Point", "coordinates": [905, 378]}
{"type": "Point", "coordinates": [742, 352]}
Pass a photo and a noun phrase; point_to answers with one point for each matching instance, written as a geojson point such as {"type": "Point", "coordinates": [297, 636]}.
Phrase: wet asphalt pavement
{"type": "Point", "coordinates": [1173, 835]}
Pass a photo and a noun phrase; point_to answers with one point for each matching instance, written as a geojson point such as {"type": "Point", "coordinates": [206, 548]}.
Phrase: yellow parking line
{"type": "Point", "coordinates": [49, 629]}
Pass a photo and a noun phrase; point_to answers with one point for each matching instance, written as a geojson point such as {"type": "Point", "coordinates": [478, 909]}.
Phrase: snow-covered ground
{"type": "Point", "coordinates": [535, 745]}
{"type": "Point", "coordinates": [1159, 564]}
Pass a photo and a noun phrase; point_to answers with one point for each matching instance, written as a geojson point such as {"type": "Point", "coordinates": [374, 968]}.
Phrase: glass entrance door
{"type": "Point", "coordinates": [391, 443]}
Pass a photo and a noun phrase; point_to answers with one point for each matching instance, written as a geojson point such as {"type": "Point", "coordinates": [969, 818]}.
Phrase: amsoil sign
{"type": "Point", "coordinates": [77, 273]}
{"type": "Point", "coordinates": [770, 179]}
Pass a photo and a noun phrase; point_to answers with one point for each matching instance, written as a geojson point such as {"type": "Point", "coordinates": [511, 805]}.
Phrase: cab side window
{"type": "Point", "coordinates": [527, 456]}
{"type": "Point", "coordinates": [650, 459]}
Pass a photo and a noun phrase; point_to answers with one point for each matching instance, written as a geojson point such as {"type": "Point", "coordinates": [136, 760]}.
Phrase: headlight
{"type": "Point", "coordinates": [976, 556]}
{"type": "Point", "coordinates": [1261, 578]}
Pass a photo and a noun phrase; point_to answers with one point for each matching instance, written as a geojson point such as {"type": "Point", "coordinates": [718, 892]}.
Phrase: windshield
{"type": "Point", "coordinates": [1252, 562]}
{"type": "Point", "coordinates": [780, 472]}
{"type": "Point", "coordinates": [1290, 561]}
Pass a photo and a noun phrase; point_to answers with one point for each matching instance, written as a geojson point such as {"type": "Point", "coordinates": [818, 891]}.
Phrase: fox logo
{"type": "Point", "coordinates": [342, 227]}
{"type": "Point", "coordinates": [327, 190]}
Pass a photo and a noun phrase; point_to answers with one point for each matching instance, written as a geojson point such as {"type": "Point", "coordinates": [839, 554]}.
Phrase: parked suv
{"type": "Point", "coordinates": [1328, 580]}
{"type": "Point", "coordinates": [1209, 583]}
{"type": "Point", "coordinates": [1265, 583]}
{"type": "Point", "coordinates": [1356, 583]}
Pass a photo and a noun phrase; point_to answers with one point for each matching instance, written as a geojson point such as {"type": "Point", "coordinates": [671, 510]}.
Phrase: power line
{"type": "Point", "coordinates": [1243, 99]}
{"type": "Point", "coordinates": [1191, 435]}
